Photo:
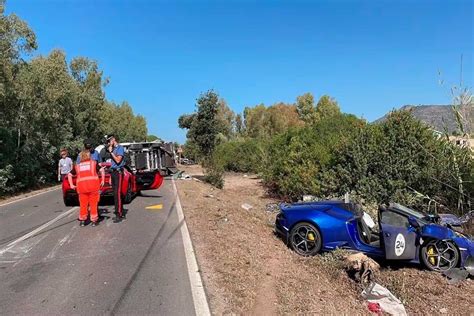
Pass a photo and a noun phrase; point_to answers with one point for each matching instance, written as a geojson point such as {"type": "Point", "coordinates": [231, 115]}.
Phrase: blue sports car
{"type": "Point", "coordinates": [401, 233]}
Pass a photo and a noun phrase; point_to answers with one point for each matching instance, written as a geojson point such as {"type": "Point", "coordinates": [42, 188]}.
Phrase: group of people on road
{"type": "Point", "coordinates": [87, 168]}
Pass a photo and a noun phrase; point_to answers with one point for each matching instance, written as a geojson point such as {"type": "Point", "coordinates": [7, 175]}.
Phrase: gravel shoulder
{"type": "Point", "coordinates": [246, 269]}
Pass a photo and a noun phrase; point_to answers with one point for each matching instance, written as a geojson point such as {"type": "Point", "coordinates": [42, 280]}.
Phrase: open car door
{"type": "Point", "coordinates": [398, 237]}
{"type": "Point", "coordinates": [148, 180]}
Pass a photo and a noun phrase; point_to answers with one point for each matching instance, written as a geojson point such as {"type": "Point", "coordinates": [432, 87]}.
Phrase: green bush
{"type": "Point", "coordinates": [214, 173]}
{"type": "Point", "coordinates": [240, 155]}
{"type": "Point", "coordinates": [386, 162]}
{"type": "Point", "coordinates": [296, 160]}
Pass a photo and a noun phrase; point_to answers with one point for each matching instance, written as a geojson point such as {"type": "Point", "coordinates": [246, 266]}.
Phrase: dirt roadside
{"type": "Point", "coordinates": [248, 270]}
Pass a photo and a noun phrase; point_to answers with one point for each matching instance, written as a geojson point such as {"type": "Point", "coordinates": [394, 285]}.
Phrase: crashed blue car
{"type": "Point", "coordinates": [401, 234]}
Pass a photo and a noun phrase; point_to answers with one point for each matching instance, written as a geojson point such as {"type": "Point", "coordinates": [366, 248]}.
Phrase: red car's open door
{"type": "Point", "coordinates": [148, 180]}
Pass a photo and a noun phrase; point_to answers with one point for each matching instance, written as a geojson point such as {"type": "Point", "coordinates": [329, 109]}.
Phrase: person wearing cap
{"type": "Point", "coordinates": [89, 145]}
{"type": "Point", "coordinates": [117, 153]}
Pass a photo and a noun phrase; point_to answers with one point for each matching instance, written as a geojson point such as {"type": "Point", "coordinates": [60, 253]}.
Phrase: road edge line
{"type": "Point", "coordinates": [201, 305]}
{"type": "Point", "coordinates": [30, 196]}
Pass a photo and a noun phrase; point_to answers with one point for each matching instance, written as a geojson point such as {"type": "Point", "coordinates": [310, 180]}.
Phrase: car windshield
{"type": "Point", "coordinates": [408, 211]}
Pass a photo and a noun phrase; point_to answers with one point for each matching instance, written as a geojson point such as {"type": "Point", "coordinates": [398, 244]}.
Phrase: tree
{"type": "Point", "coordinates": [306, 108]}
{"type": "Point", "coordinates": [91, 98]}
{"type": "Point", "coordinates": [132, 127]}
{"type": "Point", "coordinates": [203, 126]}
{"type": "Point", "coordinates": [263, 122]}
{"type": "Point", "coordinates": [225, 119]}
{"type": "Point", "coordinates": [152, 138]}
{"type": "Point", "coordinates": [327, 107]}
{"type": "Point", "coordinates": [46, 104]}
{"type": "Point", "coordinates": [186, 121]}
{"type": "Point", "coordinates": [239, 125]}
{"type": "Point", "coordinates": [16, 39]}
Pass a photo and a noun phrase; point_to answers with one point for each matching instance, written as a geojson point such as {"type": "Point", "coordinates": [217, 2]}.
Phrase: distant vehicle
{"type": "Point", "coordinates": [402, 234]}
{"type": "Point", "coordinates": [145, 165]}
{"type": "Point", "coordinates": [186, 161]}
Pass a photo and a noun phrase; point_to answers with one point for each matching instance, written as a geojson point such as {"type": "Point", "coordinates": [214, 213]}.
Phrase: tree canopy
{"type": "Point", "coordinates": [47, 104]}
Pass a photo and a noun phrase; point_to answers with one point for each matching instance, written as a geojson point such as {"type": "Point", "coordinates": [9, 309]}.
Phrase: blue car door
{"type": "Point", "coordinates": [398, 237]}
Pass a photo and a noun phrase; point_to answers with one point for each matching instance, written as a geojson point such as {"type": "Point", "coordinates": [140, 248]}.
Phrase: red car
{"type": "Point", "coordinates": [132, 184]}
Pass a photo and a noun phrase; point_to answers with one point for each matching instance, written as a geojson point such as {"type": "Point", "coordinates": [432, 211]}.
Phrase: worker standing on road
{"type": "Point", "coordinates": [117, 153]}
{"type": "Point", "coordinates": [87, 185]}
{"type": "Point", "coordinates": [64, 165]}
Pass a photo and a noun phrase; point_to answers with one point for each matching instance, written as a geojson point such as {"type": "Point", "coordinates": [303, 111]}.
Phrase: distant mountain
{"type": "Point", "coordinates": [438, 117]}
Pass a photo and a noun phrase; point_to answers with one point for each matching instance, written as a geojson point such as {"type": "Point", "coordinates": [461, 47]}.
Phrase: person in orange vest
{"type": "Point", "coordinates": [87, 186]}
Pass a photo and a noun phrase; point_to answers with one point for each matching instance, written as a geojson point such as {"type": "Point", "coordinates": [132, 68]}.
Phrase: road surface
{"type": "Point", "coordinates": [49, 265]}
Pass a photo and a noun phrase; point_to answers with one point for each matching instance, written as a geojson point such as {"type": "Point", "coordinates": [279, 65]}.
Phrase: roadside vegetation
{"type": "Point", "coordinates": [246, 269]}
{"type": "Point", "coordinates": [48, 103]}
{"type": "Point", "coordinates": [309, 148]}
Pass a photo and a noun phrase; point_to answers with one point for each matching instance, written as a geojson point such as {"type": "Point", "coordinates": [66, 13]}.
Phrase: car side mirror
{"type": "Point", "coordinates": [413, 222]}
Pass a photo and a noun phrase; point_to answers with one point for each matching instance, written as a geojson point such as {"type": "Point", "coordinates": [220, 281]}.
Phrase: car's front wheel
{"type": "Point", "coordinates": [440, 255]}
{"type": "Point", "coordinates": [305, 239]}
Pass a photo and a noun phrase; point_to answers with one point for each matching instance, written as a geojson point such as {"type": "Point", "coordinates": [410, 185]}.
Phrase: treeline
{"type": "Point", "coordinates": [312, 148]}
{"type": "Point", "coordinates": [47, 104]}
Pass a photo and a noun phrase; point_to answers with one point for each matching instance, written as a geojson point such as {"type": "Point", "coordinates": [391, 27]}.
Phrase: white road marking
{"type": "Point", "coordinates": [201, 305]}
{"type": "Point", "coordinates": [29, 196]}
{"type": "Point", "coordinates": [22, 252]}
{"type": "Point", "coordinates": [58, 245]}
{"type": "Point", "coordinates": [37, 230]}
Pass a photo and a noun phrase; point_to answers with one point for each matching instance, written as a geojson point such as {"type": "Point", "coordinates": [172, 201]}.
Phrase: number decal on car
{"type": "Point", "coordinates": [399, 245]}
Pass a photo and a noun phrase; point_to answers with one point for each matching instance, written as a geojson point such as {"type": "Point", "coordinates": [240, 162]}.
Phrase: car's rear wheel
{"type": "Point", "coordinates": [305, 239]}
{"type": "Point", "coordinates": [69, 201]}
{"type": "Point", "coordinates": [440, 255]}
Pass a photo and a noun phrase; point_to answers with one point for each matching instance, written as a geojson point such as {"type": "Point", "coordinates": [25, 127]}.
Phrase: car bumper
{"type": "Point", "coordinates": [107, 192]}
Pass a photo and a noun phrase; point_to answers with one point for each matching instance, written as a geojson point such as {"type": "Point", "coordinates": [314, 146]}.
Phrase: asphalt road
{"type": "Point", "coordinates": [135, 267]}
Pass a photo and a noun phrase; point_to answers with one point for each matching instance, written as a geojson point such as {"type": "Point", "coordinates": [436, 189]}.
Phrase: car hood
{"type": "Point", "coordinates": [450, 219]}
{"type": "Point", "coordinates": [437, 231]}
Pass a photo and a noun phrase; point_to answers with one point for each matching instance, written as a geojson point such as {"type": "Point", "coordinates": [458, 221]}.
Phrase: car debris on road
{"type": "Point", "coordinates": [246, 206]}
{"type": "Point", "coordinates": [375, 293]}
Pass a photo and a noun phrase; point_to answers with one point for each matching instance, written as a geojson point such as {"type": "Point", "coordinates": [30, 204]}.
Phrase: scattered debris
{"type": "Point", "coordinates": [209, 196]}
{"type": "Point", "coordinates": [178, 174]}
{"type": "Point", "coordinates": [246, 176]}
{"type": "Point", "coordinates": [361, 267]}
{"type": "Point", "coordinates": [469, 265]}
{"type": "Point", "coordinates": [185, 176]}
{"type": "Point", "coordinates": [247, 206]}
{"type": "Point", "coordinates": [375, 293]}
{"type": "Point", "coordinates": [456, 275]}
{"type": "Point", "coordinates": [197, 180]}
{"type": "Point", "coordinates": [374, 308]}
{"type": "Point", "coordinates": [272, 208]}
{"type": "Point", "coordinates": [443, 310]}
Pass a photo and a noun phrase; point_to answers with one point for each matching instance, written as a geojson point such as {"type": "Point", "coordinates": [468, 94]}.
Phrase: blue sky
{"type": "Point", "coordinates": [372, 56]}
